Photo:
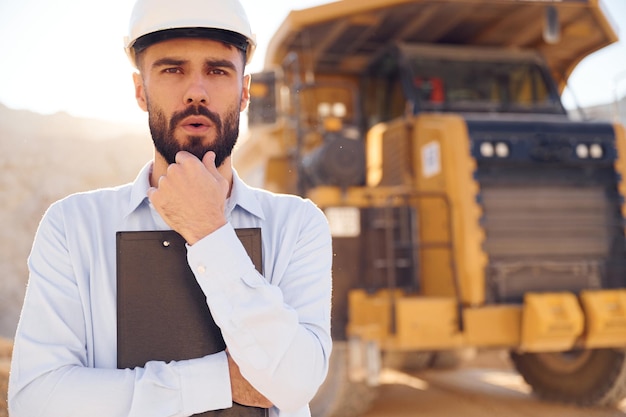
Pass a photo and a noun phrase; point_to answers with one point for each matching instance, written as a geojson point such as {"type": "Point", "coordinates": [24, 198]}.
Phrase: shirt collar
{"type": "Point", "coordinates": [139, 190]}
{"type": "Point", "coordinates": [242, 195]}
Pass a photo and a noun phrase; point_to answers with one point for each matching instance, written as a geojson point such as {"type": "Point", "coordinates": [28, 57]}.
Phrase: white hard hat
{"type": "Point", "coordinates": [156, 20]}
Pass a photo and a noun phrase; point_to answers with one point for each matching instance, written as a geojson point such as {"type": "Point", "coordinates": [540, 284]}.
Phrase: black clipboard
{"type": "Point", "coordinates": [161, 310]}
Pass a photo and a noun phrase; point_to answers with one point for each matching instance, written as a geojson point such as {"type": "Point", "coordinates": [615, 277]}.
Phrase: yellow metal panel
{"type": "Point", "coordinates": [396, 155]}
{"type": "Point", "coordinates": [427, 323]}
{"type": "Point", "coordinates": [369, 314]}
{"type": "Point", "coordinates": [551, 322]}
{"type": "Point", "coordinates": [436, 278]}
{"type": "Point", "coordinates": [443, 163]}
{"type": "Point", "coordinates": [493, 326]}
{"type": "Point", "coordinates": [275, 178]}
{"type": "Point", "coordinates": [605, 312]}
{"type": "Point", "coordinates": [620, 162]}
{"type": "Point", "coordinates": [326, 196]}
{"type": "Point", "coordinates": [420, 322]}
{"type": "Point", "coordinates": [374, 144]}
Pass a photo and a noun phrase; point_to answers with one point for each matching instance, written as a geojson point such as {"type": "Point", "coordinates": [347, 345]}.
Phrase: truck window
{"type": "Point", "coordinates": [415, 78]}
{"type": "Point", "coordinates": [477, 86]}
{"type": "Point", "coordinates": [384, 98]}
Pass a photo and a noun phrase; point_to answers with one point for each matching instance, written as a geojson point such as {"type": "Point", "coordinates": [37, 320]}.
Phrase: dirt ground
{"type": "Point", "coordinates": [486, 386]}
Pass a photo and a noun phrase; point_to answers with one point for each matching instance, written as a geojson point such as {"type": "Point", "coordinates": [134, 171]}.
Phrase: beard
{"type": "Point", "coordinates": [227, 132]}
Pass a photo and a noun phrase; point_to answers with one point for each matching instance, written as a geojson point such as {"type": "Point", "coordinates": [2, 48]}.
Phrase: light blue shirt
{"type": "Point", "coordinates": [276, 326]}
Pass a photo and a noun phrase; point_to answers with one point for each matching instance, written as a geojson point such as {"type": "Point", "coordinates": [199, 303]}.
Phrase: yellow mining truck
{"type": "Point", "coordinates": [467, 209]}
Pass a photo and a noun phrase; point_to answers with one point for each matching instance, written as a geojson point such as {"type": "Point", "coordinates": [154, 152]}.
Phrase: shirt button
{"type": "Point", "coordinates": [201, 269]}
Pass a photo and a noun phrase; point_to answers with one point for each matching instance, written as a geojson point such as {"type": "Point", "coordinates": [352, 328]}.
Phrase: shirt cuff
{"type": "Point", "coordinates": [207, 387]}
{"type": "Point", "coordinates": [220, 260]}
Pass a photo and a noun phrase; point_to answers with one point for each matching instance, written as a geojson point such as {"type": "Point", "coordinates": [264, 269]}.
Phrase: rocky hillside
{"type": "Point", "coordinates": [44, 158]}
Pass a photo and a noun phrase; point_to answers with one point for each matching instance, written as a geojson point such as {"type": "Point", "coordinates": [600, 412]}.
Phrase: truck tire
{"type": "Point", "coordinates": [583, 377]}
{"type": "Point", "coordinates": [446, 360]}
{"type": "Point", "coordinates": [338, 396]}
{"type": "Point", "coordinates": [407, 361]}
{"type": "Point", "coordinates": [452, 359]}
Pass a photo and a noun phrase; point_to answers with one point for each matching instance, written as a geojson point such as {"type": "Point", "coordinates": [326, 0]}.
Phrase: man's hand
{"type": "Point", "coordinates": [243, 392]}
{"type": "Point", "coordinates": [191, 196]}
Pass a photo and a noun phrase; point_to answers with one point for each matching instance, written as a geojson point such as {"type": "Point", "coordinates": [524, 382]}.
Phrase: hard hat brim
{"type": "Point", "coordinates": [226, 36]}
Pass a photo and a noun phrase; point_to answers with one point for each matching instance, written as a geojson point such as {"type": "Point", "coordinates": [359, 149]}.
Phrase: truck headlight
{"type": "Point", "coordinates": [487, 150]}
{"type": "Point", "coordinates": [582, 151]}
{"type": "Point", "coordinates": [324, 109]}
{"type": "Point", "coordinates": [502, 150]}
{"type": "Point", "coordinates": [596, 151]}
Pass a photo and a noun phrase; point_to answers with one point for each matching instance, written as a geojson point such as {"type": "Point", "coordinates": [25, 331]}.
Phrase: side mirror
{"type": "Point", "coordinates": [263, 99]}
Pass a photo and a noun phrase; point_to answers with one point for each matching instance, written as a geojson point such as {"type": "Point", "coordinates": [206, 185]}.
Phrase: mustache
{"type": "Point", "coordinates": [196, 111]}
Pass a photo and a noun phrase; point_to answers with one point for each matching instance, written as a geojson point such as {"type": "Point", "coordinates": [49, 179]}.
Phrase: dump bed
{"type": "Point", "coordinates": [345, 36]}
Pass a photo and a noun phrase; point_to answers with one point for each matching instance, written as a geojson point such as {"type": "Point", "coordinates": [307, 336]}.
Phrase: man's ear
{"type": "Point", "coordinates": [245, 92]}
{"type": "Point", "coordinates": [140, 92]}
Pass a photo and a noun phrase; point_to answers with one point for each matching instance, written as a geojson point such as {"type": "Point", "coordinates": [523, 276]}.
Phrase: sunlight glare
{"type": "Point", "coordinates": [507, 380]}
{"type": "Point", "coordinates": [391, 376]}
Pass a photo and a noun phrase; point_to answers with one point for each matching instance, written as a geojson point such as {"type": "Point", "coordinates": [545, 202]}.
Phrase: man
{"type": "Point", "coordinates": [190, 56]}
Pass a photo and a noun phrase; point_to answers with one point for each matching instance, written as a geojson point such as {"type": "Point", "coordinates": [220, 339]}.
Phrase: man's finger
{"type": "Point", "coordinates": [209, 161]}
{"type": "Point", "coordinates": [182, 156]}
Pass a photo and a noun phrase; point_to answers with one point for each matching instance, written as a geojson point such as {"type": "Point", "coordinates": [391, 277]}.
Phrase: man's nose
{"type": "Point", "coordinates": [197, 92]}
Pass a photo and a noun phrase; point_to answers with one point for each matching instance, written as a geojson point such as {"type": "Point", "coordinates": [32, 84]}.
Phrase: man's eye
{"type": "Point", "coordinates": [217, 71]}
{"type": "Point", "coordinates": [172, 70]}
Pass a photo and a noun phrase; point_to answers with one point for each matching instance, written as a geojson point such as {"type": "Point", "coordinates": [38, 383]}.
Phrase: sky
{"type": "Point", "coordinates": [67, 56]}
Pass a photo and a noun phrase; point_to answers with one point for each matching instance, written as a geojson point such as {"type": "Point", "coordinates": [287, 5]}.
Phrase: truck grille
{"type": "Point", "coordinates": [545, 221]}
{"type": "Point", "coordinates": [552, 222]}
{"type": "Point", "coordinates": [545, 238]}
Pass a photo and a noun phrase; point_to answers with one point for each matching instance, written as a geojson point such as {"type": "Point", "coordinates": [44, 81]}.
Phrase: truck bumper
{"type": "Point", "coordinates": [545, 322]}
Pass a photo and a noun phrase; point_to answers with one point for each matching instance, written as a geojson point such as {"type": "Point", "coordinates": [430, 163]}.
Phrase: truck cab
{"type": "Point", "coordinates": [447, 78]}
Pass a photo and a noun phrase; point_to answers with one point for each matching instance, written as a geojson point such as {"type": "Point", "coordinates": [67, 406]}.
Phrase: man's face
{"type": "Point", "coordinates": [193, 90]}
